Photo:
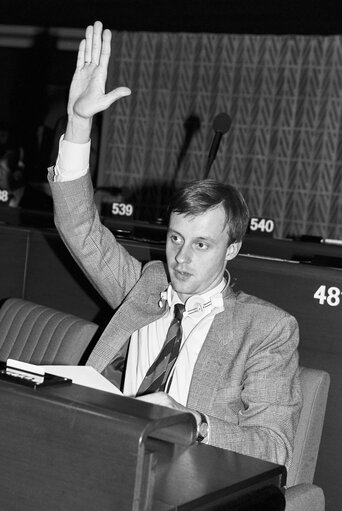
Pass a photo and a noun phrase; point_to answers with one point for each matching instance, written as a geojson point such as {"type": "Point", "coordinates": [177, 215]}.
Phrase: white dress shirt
{"type": "Point", "coordinates": [147, 342]}
{"type": "Point", "coordinates": [72, 161]}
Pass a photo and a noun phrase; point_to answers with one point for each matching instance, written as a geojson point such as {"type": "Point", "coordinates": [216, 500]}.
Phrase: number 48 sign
{"type": "Point", "coordinates": [329, 296]}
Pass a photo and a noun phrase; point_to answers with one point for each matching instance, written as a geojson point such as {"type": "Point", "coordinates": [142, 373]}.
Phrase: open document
{"type": "Point", "coordinates": [82, 375]}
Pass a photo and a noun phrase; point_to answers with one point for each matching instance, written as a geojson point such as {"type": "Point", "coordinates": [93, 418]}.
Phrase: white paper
{"type": "Point", "coordinates": [82, 375]}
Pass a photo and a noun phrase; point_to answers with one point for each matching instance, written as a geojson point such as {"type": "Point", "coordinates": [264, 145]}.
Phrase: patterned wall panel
{"type": "Point", "coordinates": [284, 94]}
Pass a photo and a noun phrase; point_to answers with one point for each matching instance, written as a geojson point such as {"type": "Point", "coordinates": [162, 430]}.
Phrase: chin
{"type": "Point", "coordinates": [178, 286]}
{"type": "Point", "coordinates": [184, 291]}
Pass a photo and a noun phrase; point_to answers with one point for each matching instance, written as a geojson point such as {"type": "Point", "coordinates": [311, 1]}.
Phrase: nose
{"type": "Point", "coordinates": [183, 255]}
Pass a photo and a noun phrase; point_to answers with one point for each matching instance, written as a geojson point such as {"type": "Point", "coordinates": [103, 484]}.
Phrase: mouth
{"type": "Point", "coordinates": [181, 275]}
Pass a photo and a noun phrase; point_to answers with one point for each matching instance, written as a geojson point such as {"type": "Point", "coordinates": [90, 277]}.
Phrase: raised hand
{"type": "Point", "coordinates": [87, 95]}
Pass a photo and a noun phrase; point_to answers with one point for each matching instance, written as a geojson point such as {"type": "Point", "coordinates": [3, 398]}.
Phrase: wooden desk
{"type": "Point", "coordinates": [202, 477]}
{"type": "Point", "coordinates": [78, 449]}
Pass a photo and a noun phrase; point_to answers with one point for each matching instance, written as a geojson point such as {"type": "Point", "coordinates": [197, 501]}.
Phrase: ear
{"type": "Point", "coordinates": [233, 250]}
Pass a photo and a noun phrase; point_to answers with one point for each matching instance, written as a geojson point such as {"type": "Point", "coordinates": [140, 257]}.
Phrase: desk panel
{"type": "Point", "coordinates": [74, 448]}
{"type": "Point", "coordinates": [321, 254]}
{"type": "Point", "coordinates": [204, 477]}
{"type": "Point", "coordinates": [293, 286]}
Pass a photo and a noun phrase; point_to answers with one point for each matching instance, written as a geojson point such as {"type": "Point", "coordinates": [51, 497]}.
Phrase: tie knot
{"type": "Point", "coordinates": [179, 311]}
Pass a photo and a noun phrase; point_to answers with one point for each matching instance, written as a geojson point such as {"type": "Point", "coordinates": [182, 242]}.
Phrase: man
{"type": "Point", "coordinates": [15, 189]}
{"type": "Point", "coordinates": [231, 360]}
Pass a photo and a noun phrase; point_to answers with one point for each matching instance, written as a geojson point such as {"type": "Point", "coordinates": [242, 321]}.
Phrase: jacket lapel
{"type": "Point", "coordinates": [140, 308]}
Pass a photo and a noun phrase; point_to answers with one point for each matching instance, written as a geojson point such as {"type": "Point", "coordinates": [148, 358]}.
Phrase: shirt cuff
{"type": "Point", "coordinates": [72, 161]}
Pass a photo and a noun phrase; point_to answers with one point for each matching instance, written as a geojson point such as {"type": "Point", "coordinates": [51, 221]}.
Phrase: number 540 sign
{"type": "Point", "coordinates": [263, 226]}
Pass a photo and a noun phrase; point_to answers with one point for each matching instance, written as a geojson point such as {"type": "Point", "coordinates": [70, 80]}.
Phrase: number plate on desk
{"type": "Point", "coordinates": [4, 197]}
{"type": "Point", "coordinates": [122, 209]}
{"type": "Point", "coordinates": [261, 226]}
{"type": "Point", "coordinates": [328, 295]}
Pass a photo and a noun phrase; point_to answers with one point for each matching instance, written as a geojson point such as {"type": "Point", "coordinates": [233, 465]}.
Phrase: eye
{"type": "Point", "coordinates": [174, 238]}
{"type": "Point", "coordinates": [202, 245]}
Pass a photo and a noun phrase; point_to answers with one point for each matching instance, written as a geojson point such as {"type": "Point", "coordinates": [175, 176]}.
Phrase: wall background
{"type": "Point", "coordinates": [284, 94]}
{"type": "Point", "coordinates": [275, 67]}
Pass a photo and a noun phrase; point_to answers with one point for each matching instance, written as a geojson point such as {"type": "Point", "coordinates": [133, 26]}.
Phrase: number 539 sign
{"type": "Point", "coordinates": [122, 209]}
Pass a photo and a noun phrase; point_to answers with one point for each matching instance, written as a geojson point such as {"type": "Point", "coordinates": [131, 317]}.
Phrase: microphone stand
{"type": "Point", "coordinates": [221, 125]}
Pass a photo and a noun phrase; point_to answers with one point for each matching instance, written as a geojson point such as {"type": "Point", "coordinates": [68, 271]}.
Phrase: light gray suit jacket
{"type": "Point", "coordinates": [246, 375]}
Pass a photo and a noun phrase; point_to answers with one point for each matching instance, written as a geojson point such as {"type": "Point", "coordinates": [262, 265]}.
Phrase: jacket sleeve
{"type": "Point", "coordinates": [271, 398]}
{"type": "Point", "coordinates": [106, 263]}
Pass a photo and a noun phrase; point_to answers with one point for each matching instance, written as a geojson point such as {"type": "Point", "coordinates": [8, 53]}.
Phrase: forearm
{"type": "Point", "coordinates": [256, 441]}
{"type": "Point", "coordinates": [78, 129]}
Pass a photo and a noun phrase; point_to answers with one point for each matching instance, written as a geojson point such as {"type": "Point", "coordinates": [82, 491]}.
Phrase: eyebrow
{"type": "Point", "coordinates": [202, 238]}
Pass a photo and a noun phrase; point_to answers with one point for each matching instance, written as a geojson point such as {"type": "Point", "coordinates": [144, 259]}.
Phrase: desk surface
{"type": "Point", "coordinates": [71, 446]}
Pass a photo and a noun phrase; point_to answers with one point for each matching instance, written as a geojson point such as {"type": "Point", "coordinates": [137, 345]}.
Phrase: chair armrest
{"type": "Point", "coordinates": [304, 497]}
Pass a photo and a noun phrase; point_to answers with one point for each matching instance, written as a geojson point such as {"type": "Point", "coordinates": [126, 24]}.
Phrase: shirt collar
{"type": "Point", "coordinates": [171, 296]}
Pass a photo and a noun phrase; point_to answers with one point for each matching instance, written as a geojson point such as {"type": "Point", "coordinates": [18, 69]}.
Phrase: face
{"type": "Point", "coordinates": [197, 251]}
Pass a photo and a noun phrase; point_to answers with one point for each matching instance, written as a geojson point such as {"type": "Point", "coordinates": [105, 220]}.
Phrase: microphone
{"type": "Point", "coordinates": [221, 125]}
{"type": "Point", "coordinates": [191, 125]}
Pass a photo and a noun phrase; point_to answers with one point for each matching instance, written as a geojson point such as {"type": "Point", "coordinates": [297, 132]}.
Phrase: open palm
{"type": "Point", "coordinates": [87, 94]}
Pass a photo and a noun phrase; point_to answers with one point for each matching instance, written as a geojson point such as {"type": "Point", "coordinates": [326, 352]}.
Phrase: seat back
{"type": "Point", "coordinates": [315, 386]}
{"type": "Point", "coordinates": [41, 335]}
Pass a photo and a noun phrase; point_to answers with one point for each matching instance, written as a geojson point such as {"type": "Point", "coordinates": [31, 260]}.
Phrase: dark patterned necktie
{"type": "Point", "coordinates": [157, 375]}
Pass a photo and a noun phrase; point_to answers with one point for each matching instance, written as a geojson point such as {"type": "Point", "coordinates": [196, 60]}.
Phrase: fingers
{"type": "Point", "coordinates": [161, 399]}
{"type": "Point", "coordinates": [106, 48]}
{"type": "Point", "coordinates": [96, 42]}
{"type": "Point", "coordinates": [85, 49]}
{"type": "Point", "coordinates": [95, 48]}
{"type": "Point", "coordinates": [154, 397]}
{"type": "Point", "coordinates": [80, 55]}
{"type": "Point", "coordinates": [88, 44]}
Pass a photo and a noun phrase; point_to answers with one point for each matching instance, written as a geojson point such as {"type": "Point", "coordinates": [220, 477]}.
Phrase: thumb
{"type": "Point", "coordinates": [114, 95]}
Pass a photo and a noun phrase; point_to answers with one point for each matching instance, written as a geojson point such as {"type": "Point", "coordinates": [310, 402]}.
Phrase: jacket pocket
{"type": "Point", "coordinates": [227, 403]}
